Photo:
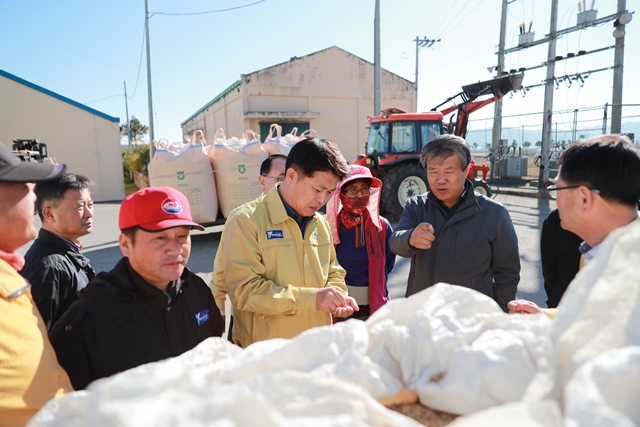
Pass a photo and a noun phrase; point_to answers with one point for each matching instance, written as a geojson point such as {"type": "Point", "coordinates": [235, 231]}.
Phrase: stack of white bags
{"type": "Point", "coordinates": [452, 347]}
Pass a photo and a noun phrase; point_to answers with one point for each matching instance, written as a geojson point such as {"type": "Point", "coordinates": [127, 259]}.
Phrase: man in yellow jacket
{"type": "Point", "coordinates": [29, 371]}
{"type": "Point", "coordinates": [276, 257]}
{"type": "Point", "coordinates": [597, 191]}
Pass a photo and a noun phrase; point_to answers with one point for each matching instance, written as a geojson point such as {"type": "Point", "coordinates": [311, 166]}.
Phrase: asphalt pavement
{"type": "Point", "coordinates": [526, 207]}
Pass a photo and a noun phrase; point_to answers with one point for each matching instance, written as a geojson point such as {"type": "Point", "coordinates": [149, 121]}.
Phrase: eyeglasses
{"type": "Point", "coordinates": [353, 192]}
{"type": "Point", "coordinates": [553, 190]}
{"type": "Point", "coordinates": [277, 178]}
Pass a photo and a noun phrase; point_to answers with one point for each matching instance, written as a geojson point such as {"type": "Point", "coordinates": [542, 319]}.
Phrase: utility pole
{"type": "Point", "coordinates": [151, 135]}
{"type": "Point", "coordinates": [425, 42]}
{"type": "Point", "coordinates": [126, 106]}
{"type": "Point", "coordinates": [618, 67]}
{"type": "Point", "coordinates": [497, 109]}
{"type": "Point", "coordinates": [377, 70]}
{"type": "Point", "coordinates": [549, 87]}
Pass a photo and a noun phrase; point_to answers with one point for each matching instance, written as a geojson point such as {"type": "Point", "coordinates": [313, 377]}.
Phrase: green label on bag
{"type": "Point", "coordinates": [180, 175]}
{"type": "Point", "coordinates": [242, 169]}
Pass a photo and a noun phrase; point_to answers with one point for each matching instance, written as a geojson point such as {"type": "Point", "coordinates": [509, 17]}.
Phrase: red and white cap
{"type": "Point", "coordinates": [156, 209]}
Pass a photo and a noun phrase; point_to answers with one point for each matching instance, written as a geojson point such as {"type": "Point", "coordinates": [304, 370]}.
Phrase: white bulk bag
{"type": "Point", "coordinates": [236, 164]}
{"type": "Point", "coordinates": [273, 142]}
{"type": "Point", "coordinates": [187, 169]}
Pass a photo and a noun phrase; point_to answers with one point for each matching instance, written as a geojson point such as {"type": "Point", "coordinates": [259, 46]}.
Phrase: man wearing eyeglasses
{"type": "Point", "coordinates": [271, 172]}
{"type": "Point", "coordinates": [597, 191]}
{"type": "Point", "coordinates": [454, 235]}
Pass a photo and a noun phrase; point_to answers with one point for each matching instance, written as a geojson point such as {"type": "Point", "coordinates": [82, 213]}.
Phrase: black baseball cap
{"type": "Point", "coordinates": [12, 169]}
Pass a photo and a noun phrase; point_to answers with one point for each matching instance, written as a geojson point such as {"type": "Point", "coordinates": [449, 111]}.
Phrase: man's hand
{"type": "Point", "coordinates": [348, 309]}
{"type": "Point", "coordinates": [422, 236]}
{"type": "Point", "coordinates": [523, 306]}
{"type": "Point", "coordinates": [332, 301]}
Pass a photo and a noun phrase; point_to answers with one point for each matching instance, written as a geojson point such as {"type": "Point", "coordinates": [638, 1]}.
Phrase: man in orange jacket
{"type": "Point", "coordinates": [29, 371]}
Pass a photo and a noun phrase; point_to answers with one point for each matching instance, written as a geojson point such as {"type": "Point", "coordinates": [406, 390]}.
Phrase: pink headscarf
{"type": "Point", "coordinates": [334, 205]}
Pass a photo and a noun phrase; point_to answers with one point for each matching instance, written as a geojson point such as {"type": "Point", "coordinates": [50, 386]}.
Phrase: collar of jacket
{"type": "Point", "coordinates": [52, 238]}
{"type": "Point", "coordinates": [469, 198]}
{"type": "Point", "coordinates": [71, 250]}
{"type": "Point", "coordinates": [277, 211]}
{"type": "Point", "coordinates": [154, 296]}
{"type": "Point", "coordinates": [125, 284]}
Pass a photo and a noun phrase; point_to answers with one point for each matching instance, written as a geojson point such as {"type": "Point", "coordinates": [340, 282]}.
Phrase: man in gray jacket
{"type": "Point", "coordinates": [454, 235]}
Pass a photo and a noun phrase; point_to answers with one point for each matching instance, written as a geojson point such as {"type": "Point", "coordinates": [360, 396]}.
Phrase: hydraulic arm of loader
{"type": "Point", "coordinates": [497, 87]}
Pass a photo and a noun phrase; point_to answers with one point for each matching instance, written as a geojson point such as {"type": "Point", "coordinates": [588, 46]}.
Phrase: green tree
{"type": "Point", "coordinates": [475, 146]}
{"type": "Point", "coordinates": [136, 159]}
{"type": "Point", "coordinates": [526, 145]}
{"type": "Point", "coordinates": [538, 143]}
{"type": "Point", "coordinates": [138, 130]}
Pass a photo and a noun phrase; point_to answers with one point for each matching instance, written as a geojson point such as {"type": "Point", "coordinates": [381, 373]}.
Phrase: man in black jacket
{"type": "Point", "coordinates": [150, 306]}
{"type": "Point", "coordinates": [53, 264]}
{"type": "Point", "coordinates": [559, 256]}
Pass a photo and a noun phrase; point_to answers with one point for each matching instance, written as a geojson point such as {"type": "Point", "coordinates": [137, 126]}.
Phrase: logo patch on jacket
{"type": "Point", "coordinates": [274, 234]}
{"type": "Point", "coordinates": [202, 317]}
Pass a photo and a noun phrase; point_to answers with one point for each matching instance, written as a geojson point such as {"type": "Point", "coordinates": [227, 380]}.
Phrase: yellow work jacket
{"type": "Point", "coordinates": [29, 371]}
{"type": "Point", "coordinates": [272, 273]}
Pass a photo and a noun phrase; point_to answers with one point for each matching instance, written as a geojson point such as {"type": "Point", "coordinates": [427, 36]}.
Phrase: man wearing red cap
{"type": "Point", "coordinates": [29, 372]}
{"type": "Point", "coordinates": [150, 306]}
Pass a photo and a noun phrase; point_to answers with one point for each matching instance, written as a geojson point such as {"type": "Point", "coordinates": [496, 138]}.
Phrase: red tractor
{"type": "Point", "coordinates": [397, 137]}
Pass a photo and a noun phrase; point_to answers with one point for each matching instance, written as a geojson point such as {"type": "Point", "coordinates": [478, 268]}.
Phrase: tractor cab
{"type": "Point", "coordinates": [399, 132]}
{"type": "Point", "coordinates": [393, 153]}
{"type": "Point", "coordinates": [397, 137]}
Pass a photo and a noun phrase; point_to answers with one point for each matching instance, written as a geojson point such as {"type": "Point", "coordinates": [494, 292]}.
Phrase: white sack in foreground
{"type": "Point", "coordinates": [596, 336]}
{"type": "Point", "coordinates": [451, 345]}
{"type": "Point", "coordinates": [599, 311]}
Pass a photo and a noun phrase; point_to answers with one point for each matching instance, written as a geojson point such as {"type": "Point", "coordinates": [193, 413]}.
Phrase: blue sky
{"type": "Point", "coordinates": [85, 50]}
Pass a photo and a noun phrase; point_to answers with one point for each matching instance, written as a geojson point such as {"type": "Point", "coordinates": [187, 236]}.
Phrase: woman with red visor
{"type": "Point", "coordinates": [360, 236]}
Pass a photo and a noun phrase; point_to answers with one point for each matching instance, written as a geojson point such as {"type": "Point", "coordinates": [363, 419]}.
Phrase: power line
{"type": "Point", "coordinates": [446, 16]}
{"type": "Point", "coordinates": [137, 78]}
{"type": "Point", "coordinates": [422, 43]}
{"type": "Point", "coordinates": [208, 11]}
{"type": "Point", "coordinates": [144, 28]}
{"type": "Point", "coordinates": [103, 99]}
{"type": "Point", "coordinates": [460, 20]}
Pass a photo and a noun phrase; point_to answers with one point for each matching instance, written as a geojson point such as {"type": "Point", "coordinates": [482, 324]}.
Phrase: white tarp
{"type": "Point", "coordinates": [452, 346]}
{"type": "Point", "coordinates": [596, 374]}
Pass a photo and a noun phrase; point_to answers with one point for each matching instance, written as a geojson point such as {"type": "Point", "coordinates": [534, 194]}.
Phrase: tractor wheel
{"type": "Point", "coordinates": [480, 186]}
{"type": "Point", "coordinates": [400, 183]}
